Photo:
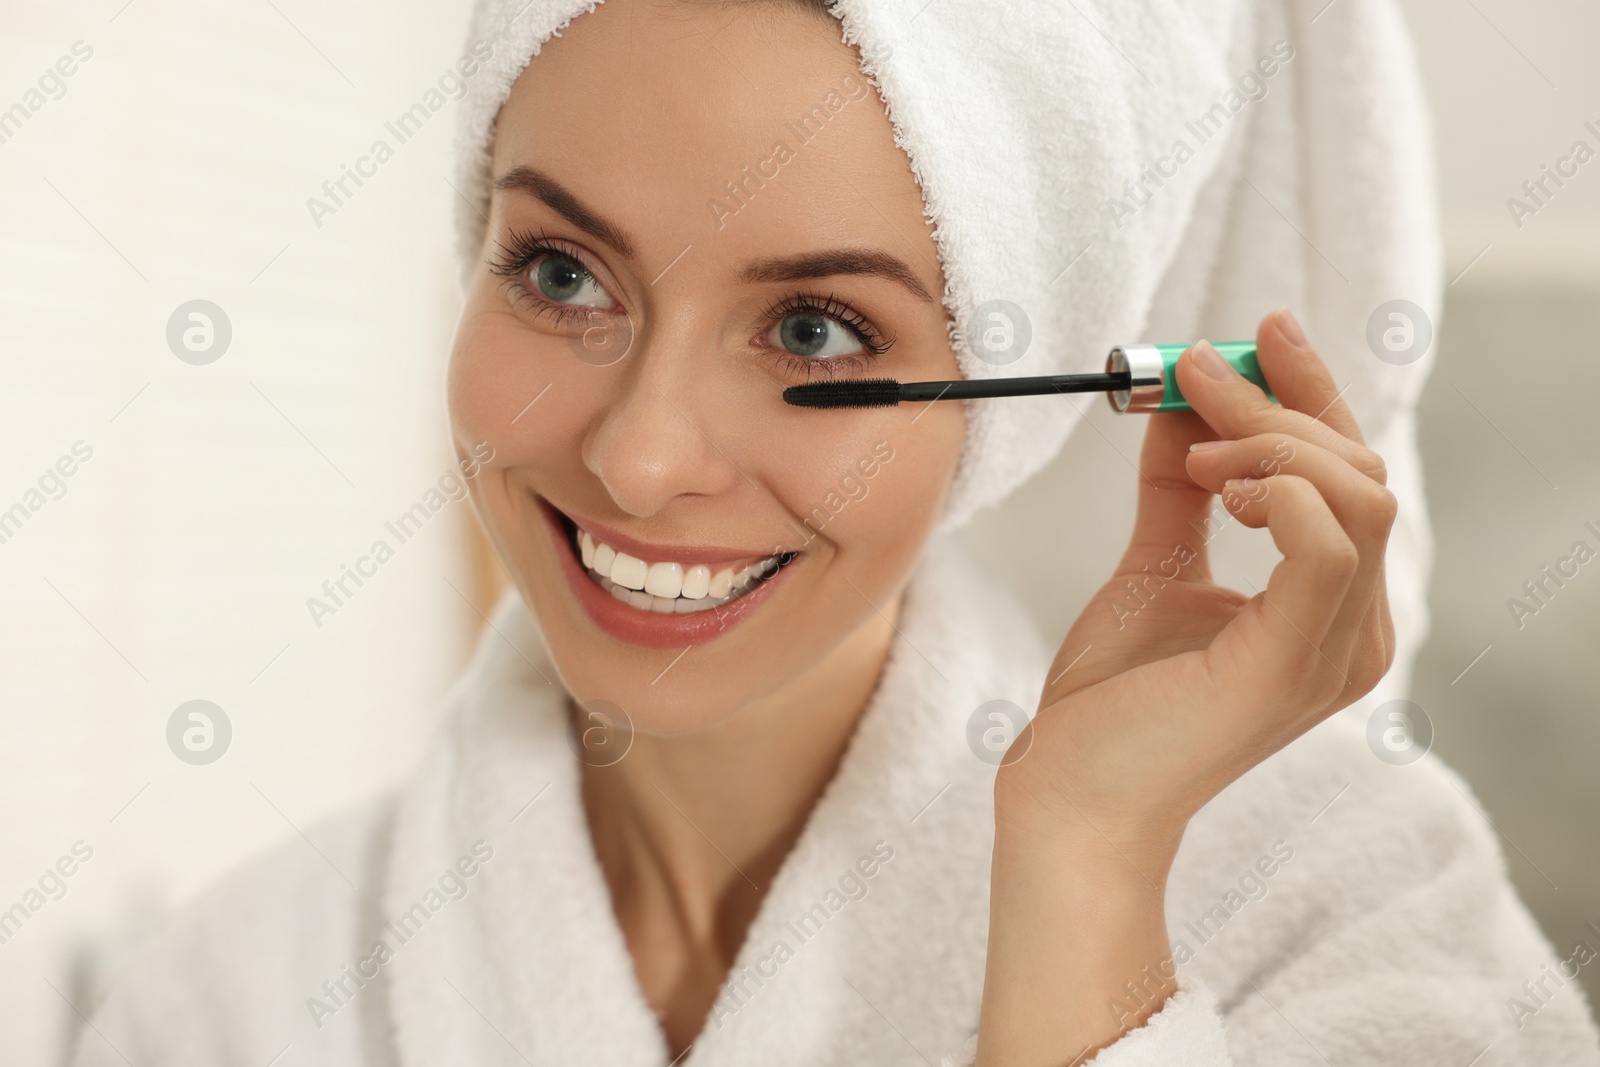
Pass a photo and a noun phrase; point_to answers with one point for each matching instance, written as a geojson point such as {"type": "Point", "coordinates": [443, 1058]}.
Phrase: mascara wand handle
{"type": "Point", "coordinates": [984, 388]}
{"type": "Point", "coordinates": [1154, 378]}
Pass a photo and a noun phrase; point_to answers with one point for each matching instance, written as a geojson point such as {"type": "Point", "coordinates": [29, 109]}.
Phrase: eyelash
{"type": "Point", "coordinates": [845, 315]}
{"type": "Point", "coordinates": [522, 251]}
{"type": "Point", "coordinates": [524, 248]}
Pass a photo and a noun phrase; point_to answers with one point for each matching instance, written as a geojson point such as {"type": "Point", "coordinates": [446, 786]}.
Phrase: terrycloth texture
{"type": "Point", "coordinates": [1025, 123]}
{"type": "Point", "coordinates": [1186, 1032]}
{"type": "Point", "coordinates": [1327, 907]}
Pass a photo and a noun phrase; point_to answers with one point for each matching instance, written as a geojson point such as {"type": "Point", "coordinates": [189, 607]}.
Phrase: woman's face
{"type": "Point", "coordinates": [695, 207]}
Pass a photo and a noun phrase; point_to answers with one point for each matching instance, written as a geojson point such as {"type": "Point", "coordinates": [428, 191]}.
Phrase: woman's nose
{"type": "Point", "coordinates": [658, 437]}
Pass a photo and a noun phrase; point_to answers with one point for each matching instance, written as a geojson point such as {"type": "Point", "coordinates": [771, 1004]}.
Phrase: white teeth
{"type": "Point", "coordinates": [667, 587]}
{"type": "Point", "coordinates": [664, 580]}
{"type": "Point", "coordinates": [646, 602]}
{"type": "Point", "coordinates": [696, 582]}
{"type": "Point", "coordinates": [629, 571]}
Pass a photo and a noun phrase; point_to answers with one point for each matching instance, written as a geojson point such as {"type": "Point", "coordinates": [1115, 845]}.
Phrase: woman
{"type": "Point", "coordinates": [734, 776]}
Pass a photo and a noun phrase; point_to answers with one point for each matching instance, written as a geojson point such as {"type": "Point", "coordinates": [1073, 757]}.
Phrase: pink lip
{"type": "Point", "coordinates": [650, 629]}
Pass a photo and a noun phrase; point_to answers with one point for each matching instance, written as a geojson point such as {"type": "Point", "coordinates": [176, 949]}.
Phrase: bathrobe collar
{"type": "Point", "coordinates": [837, 967]}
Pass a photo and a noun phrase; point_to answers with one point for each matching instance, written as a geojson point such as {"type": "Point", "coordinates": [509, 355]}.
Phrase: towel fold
{"type": "Point", "coordinates": [1327, 907]}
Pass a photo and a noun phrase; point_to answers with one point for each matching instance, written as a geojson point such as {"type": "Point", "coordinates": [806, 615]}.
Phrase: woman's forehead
{"type": "Point", "coordinates": [768, 120]}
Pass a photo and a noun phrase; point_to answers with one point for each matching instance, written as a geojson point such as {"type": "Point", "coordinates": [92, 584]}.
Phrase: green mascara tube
{"type": "Point", "coordinates": [1152, 370]}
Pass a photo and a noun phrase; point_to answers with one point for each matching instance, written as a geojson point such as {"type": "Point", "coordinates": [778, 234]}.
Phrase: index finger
{"type": "Point", "coordinates": [1300, 379]}
{"type": "Point", "coordinates": [1310, 406]}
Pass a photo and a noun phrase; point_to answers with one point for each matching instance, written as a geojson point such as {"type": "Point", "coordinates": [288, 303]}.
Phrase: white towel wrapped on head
{"type": "Point", "coordinates": [1043, 135]}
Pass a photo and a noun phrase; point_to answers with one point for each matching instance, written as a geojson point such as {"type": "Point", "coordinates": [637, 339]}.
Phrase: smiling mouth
{"type": "Point", "coordinates": [666, 586]}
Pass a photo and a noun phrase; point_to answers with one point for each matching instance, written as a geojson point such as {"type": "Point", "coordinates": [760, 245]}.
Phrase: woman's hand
{"type": "Point", "coordinates": [1169, 687]}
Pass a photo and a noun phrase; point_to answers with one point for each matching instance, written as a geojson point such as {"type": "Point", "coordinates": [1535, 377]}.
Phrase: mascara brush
{"type": "Point", "coordinates": [1137, 378]}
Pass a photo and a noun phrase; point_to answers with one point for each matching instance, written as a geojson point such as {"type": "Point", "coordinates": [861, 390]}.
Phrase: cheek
{"type": "Point", "coordinates": [490, 367]}
{"type": "Point", "coordinates": [512, 387]}
{"type": "Point", "coordinates": [876, 490]}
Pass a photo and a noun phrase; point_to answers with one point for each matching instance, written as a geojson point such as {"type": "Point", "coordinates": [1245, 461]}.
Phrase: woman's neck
{"type": "Point", "coordinates": [690, 830]}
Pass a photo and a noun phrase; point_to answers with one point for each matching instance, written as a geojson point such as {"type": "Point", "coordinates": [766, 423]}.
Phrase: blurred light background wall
{"type": "Point", "coordinates": [176, 566]}
{"type": "Point", "coordinates": [223, 488]}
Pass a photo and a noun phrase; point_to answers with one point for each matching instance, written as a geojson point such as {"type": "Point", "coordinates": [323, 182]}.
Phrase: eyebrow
{"type": "Point", "coordinates": [831, 262]}
{"type": "Point", "coordinates": [823, 264]}
{"type": "Point", "coordinates": [569, 207]}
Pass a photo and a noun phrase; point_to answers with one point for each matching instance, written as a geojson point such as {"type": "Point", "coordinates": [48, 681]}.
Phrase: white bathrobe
{"type": "Point", "coordinates": [1327, 908]}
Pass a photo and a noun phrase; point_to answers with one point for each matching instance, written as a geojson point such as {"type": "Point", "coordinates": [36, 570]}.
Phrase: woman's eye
{"type": "Point", "coordinates": [806, 333]}
{"type": "Point", "coordinates": [562, 280]}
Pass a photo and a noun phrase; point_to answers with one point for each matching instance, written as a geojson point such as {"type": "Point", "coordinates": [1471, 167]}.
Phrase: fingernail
{"type": "Point", "coordinates": [1291, 327]}
{"type": "Point", "coordinates": [1212, 363]}
{"type": "Point", "coordinates": [1206, 446]}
